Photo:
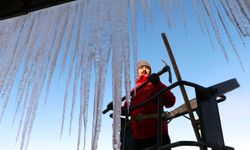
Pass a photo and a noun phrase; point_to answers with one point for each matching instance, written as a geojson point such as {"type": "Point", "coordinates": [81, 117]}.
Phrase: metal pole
{"type": "Point", "coordinates": [182, 88]}
{"type": "Point", "coordinates": [159, 127]}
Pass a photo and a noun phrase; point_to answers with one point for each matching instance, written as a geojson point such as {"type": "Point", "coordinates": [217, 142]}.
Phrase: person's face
{"type": "Point", "coordinates": [143, 70]}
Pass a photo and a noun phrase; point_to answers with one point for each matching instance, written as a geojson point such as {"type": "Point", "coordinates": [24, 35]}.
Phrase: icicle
{"type": "Point", "coordinates": [100, 71]}
{"type": "Point", "coordinates": [242, 22]}
{"type": "Point", "coordinates": [102, 52]}
{"type": "Point", "coordinates": [85, 76]}
{"type": "Point", "coordinates": [81, 32]}
{"type": "Point", "coordinates": [247, 2]}
{"type": "Point", "coordinates": [21, 47]}
{"type": "Point", "coordinates": [48, 45]}
{"type": "Point", "coordinates": [27, 106]}
{"type": "Point", "coordinates": [68, 36]}
{"type": "Point", "coordinates": [6, 58]}
{"type": "Point", "coordinates": [144, 10]}
{"type": "Point", "coordinates": [31, 117]}
{"type": "Point", "coordinates": [23, 111]}
{"type": "Point", "coordinates": [228, 34]}
{"type": "Point", "coordinates": [57, 43]}
{"type": "Point", "coordinates": [4, 38]}
{"type": "Point", "coordinates": [40, 63]}
{"type": "Point", "coordinates": [81, 53]}
{"type": "Point", "coordinates": [36, 91]}
{"type": "Point", "coordinates": [27, 81]}
{"type": "Point", "coordinates": [232, 19]}
{"type": "Point", "coordinates": [84, 98]}
{"type": "Point", "coordinates": [117, 20]}
{"type": "Point", "coordinates": [30, 105]}
{"type": "Point", "coordinates": [75, 86]}
{"type": "Point", "coordinates": [183, 17]}
{"type": "Point", "coordinates": [27, 75]}
{"type": "Point", "coordinates": [80, 119]}
{"type": "Point", "coordinates": [94, 45]}
{"type": "Point", "coordinates": [228, 11]}
{"type": "Point", "coordinates": [26, 69]}
{"type": "Point", "coordinates": [215, 28]}
{"type": "Point", "coordinates": [73, 56]}
{"type": "Point", "coordinates": [150, 12]}
{"type": "Point", "coordinates": [229, 7]}
{"type": "Point", "coordinates": [203, 16]}
{"type": "Point", "coordinates": [165, 7]}
{"type": "Point", "coordinates": [9, 76]}
{"type": "Point", "coordinates": [198, 15]}
{"type": "Point", "coordinates": [245, 8]}
{"type": "Point", "coordinates": [126, 60]}
{"type": "Point", "coordinates": [133, 7]}
{"type": "Point", "coordinates": [172, 7]}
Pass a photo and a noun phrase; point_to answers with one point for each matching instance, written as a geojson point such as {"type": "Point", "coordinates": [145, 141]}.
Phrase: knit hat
{"type": "Point", "coordinates": [143, 63]}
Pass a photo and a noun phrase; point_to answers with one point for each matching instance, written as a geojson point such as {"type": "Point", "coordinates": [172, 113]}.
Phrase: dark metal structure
{"type": "Point", "coordinates": [208, 115]}
{"type": "Point", "coordinates": [13, 8]}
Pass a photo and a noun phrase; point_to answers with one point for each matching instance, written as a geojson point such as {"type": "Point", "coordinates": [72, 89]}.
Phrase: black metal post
{"type": "Point", "coordinates": [159, 127]}
{"type": "Point", "coordinates": [211, 129]}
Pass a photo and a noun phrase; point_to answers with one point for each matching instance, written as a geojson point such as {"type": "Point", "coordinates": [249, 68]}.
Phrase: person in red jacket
{"type": "Point", "coordinates": [143, 124]}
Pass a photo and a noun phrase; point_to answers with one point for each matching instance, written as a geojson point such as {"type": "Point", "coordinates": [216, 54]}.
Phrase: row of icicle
{"type": "Point", "coordinates": [84, 35]}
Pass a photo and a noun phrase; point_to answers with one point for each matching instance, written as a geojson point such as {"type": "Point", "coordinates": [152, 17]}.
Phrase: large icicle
{"type": "Point", "coordinates": [116, 19]}
{"type": "Point", "coordinates": [126, 59]}
{"type": "Point", "coordinates": [85, 76]}
{"type": "Point", "coordinates": [84, 98]}
{"type": "Point", "coordinates": [96, 43]}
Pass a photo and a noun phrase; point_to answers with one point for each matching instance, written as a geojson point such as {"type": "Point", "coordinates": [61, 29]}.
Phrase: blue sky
{"type": "Point", "coordinates": [198, 62]}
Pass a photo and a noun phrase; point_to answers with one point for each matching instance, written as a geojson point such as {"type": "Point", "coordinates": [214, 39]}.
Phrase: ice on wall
{"type": "Point", "coordinates": [81, 37]}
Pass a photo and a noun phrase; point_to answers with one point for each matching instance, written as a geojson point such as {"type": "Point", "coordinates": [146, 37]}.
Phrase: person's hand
{"type": "Point", "coordinates": [154, 79]}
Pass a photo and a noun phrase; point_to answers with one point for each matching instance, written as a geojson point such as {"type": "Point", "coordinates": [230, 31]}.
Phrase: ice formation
{"type": "Point", "coordinates": [89, 33]}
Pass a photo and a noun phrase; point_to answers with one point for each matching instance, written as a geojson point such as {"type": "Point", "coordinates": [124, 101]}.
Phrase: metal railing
{"type": "Point", "coordinates": [206, 98]}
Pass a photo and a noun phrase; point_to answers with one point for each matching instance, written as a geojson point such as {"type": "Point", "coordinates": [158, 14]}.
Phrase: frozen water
{"type": "Point", "coordinates": [83, 35]}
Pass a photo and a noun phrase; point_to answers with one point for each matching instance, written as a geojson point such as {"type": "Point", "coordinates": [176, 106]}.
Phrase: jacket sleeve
{"type": "Point", "coordinates": [168, 98]}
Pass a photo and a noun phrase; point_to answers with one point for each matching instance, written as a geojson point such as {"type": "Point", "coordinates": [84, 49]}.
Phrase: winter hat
{"type": "Point", "coordinates": [143, 63]}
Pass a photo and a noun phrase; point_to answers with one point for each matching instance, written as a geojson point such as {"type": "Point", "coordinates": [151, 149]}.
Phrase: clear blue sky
{"type": "Point", "coordinates": [197, 62]}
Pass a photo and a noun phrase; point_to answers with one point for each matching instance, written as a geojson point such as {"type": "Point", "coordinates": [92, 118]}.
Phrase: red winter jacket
{"type": "Point", "coordinates": [148, 127]}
